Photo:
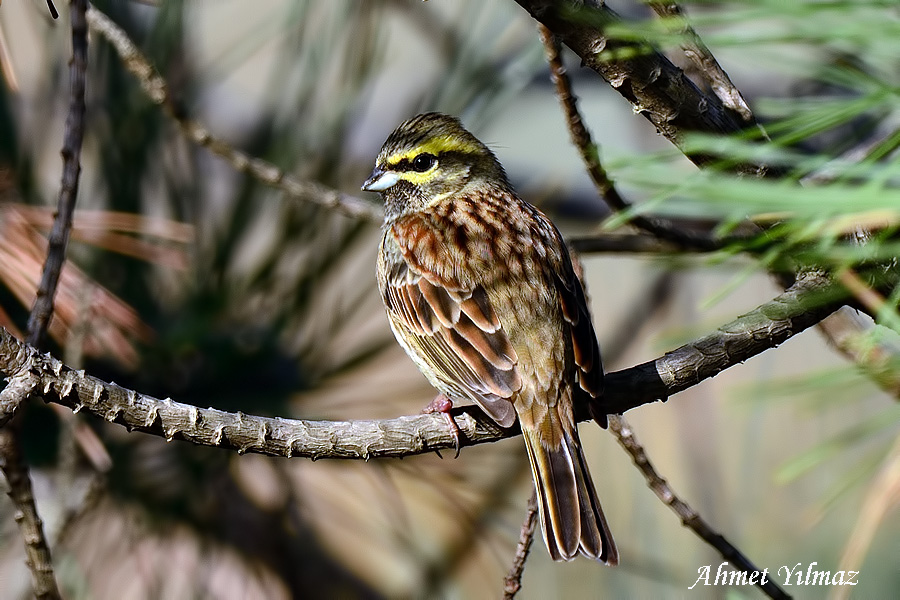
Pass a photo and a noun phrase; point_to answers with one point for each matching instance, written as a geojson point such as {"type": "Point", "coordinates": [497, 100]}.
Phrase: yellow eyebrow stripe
{"type": "Point", "coordinates": [435, 145]}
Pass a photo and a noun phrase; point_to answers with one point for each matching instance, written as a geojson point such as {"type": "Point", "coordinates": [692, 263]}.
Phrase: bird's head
{"type": "Point", "coordinates": [430, 158]}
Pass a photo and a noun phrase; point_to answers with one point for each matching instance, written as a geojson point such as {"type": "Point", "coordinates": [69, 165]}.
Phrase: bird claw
{"type": "Point", "coordinates": [442, 404]}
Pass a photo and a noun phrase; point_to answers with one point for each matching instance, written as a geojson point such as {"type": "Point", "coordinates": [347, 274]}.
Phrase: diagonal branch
{"type": "Point", "coordinates": [704, 60]}
{"type": "Point", "coordinates": [58, 240]}
{"type": "Point", "coordinates": [581, 138]}
{"type": "Point", "coordinates": [655, 87]}
{"type": "Point", "coordinates": [808, 301]}
{"type": "Point", "coordinates": [157, 89]}
{"type": "Point", "coordinates": [689, 517]}
{"type": "Point", "coordinates": [839, 330]}
{"type": "Point", "coordinates": [800, 307]}
{"type": "Point", "coordinates": [158, 92]}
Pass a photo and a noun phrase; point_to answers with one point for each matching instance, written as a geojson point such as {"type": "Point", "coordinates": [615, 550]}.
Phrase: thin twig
{"type": "Point", "coordinates": [158, 92]}
{"type": "Point", "coordinates": [42, 310]}
{"type": "Point", "coordinates": [800, 307]}
{"type": "Point", "coordinates": [12, 462]}
{"type": "Point", "coordinates": [37, 553]}
{"type": "Point", "coordinates": [689, 517]}
{"type": "Point", "coordinates": [437, 572]}
{"type": "Point", "coordinates": [512, 583]}
{"type": "Point", "coordinates": [699, 54]}
{"type": "Point", "coordinates": [649, 302]}
{"type": "Point", "coordinates": [582, 140]}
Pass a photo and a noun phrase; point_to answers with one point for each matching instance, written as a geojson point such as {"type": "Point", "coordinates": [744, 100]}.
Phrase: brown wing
{"type": "Point", "coordinates": [585, 348]}
{"type": "Point", "coordinates": [458, 337]}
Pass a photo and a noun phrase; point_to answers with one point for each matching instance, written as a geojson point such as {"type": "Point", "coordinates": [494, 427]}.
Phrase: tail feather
{"type": "Point", "coordinates": [593, 522]}
{"type": "Point", "coordinates": [571, 517]}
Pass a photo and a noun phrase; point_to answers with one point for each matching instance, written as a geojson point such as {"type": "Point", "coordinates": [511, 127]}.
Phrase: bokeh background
{"type": "Point", "coordinates": [190, 280]}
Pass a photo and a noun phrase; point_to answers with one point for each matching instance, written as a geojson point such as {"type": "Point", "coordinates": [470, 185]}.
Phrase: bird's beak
{"type": "Point", "coordinates": [380, 180]}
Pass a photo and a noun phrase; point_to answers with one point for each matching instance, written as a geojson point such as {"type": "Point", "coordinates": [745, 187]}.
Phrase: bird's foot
{"type": "Point", "coordinates": [442, 404]}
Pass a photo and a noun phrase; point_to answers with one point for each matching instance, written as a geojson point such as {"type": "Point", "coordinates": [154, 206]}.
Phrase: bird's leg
{"type": "Point", "coordinates": [442, 404]}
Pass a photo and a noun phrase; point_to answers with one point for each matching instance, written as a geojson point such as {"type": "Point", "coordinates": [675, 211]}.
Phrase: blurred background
{"type": "Point", "coordinates": [190, 280]}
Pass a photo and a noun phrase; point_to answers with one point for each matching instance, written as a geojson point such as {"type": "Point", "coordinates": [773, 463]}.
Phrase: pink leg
{"type": "Point", "coordinates": [442, 404]}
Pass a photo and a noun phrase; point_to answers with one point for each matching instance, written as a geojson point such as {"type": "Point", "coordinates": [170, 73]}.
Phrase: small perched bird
{"type": "Point", "coordinates": [481, 293]}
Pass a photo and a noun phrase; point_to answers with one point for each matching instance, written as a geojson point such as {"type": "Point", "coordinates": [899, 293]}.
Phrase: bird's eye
{"type": "Point", "coordinates": [423, 162]}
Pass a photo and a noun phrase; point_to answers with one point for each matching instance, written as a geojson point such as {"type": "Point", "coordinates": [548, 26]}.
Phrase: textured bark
{"type": "Point", "coordinates": [656, 88]}
{"type": "Point", "coordinates": [803, 305]}
{"type": "Point", "coordinates": [800, 307]}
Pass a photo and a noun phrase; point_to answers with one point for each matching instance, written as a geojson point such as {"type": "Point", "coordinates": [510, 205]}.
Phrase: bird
{"type": "Point", "coordinates": [481, 293]}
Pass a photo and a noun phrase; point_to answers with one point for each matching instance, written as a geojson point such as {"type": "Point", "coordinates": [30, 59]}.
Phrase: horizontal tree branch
{"type": "Point", "coordinates": [811, 299]}
{"type": "Point", "coordinates": [624, 243]}
{"type": "Point", "coordinates": [646, 78]}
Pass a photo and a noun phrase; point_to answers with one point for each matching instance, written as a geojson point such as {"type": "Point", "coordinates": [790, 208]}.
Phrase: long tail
{"type": "Point", "coordinates": [571, 516]}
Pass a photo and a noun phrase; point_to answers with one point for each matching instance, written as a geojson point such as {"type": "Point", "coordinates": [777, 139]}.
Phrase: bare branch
{"type": "Point", "coordinates": [58, 240]}
{"type": "Point", "coordinates": [582, 38]}
{"type": "Point", "coordinates": [512, 583]}
{"type": "Point", "coordinates": [689, 517]}
{"type": "Point", "coordinates": [582, 140]}
{"type": "Point", "coordinates": [808, 301]}
{"type": "Point", "coordinates": [652, 300]}
{"type": "Point", "coordinates": [237, 431]}
{"type": "Point", "coordinates": [37, 554]}
{"type": "Point", "coordinates": [12, 462]}
{"type": "Point", "coordinates": [158, 92]}
{"type": "Point", "coordinates": [655, 87]}
{"type": "Point", "coordinates": [703, 59]}
{"type": "Point", "coordinates": [766, 327]}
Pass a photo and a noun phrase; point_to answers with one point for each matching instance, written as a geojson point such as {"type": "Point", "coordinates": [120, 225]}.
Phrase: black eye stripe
{"type": "Point", "coordinates": [425, 161]}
